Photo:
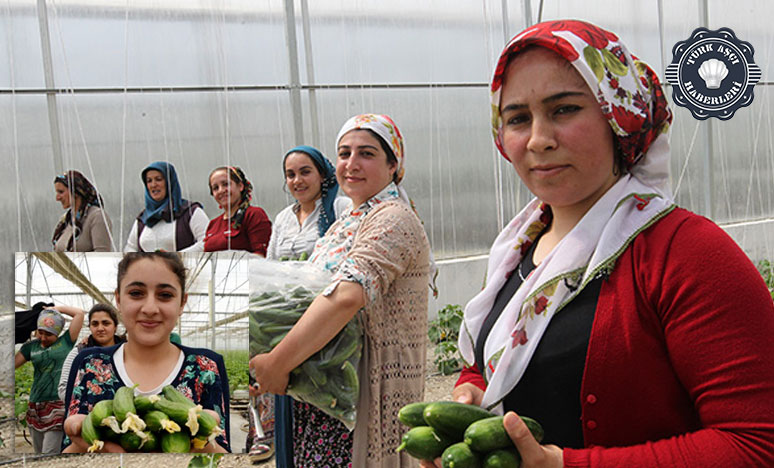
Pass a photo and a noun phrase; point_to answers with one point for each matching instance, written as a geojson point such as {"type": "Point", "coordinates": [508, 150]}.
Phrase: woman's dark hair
{"type": "Point", "coordinates": [107, 308]}
{"type": "Point", "coordinates": [320, 169]}
{"type": "Point", "coordinates": [171, 259]}
{"type": "Point", "coordinates": [111, 311]}
{"type": "Point", "coordinates": [619, 160]}
{"type": "Point", "coordinates": [391, 159]}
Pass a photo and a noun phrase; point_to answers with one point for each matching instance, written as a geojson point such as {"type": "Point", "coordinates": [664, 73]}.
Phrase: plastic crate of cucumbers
{"type": "Point", "coordinates": [169, 422]}
{"type": "Point", "coordinates": [280, 294]}
{"type": "Point", "coordinates": [464, 436]}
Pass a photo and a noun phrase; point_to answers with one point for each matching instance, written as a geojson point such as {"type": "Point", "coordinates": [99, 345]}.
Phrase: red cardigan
{"type": "Point", "coordinates": [253, 235]}
{"type": "Point", "coordinates": [680, 364]}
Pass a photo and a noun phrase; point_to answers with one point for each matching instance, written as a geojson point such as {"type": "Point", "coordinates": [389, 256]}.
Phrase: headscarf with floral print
{"type": "Point", "coordinates": [386, 129]}
{"type": "Point", "coordinates": [78, 185]}
{"type": "Point", "coordinates": [631, 98]}
{"type": "Point", "coordinates": [245, 196]}
{"type": "Point", "coordinates": [627, 89]}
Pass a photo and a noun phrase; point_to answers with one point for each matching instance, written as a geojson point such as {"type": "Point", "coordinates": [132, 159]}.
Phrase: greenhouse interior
{"type": "Point", "coordinates": [107, 87]}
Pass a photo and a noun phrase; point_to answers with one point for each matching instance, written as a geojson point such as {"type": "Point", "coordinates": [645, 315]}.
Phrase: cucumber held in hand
{"type": "Point", "coordinates": [460, 455]}
{"type": "Point", "coordinates": [489, 434]}
{"type": "Point", "coordinates": [90, 435]}
{"type": "Point", "coordinates": [176, 442]}
{"type": "Point", "coordinates": [502, 458]}
{"type": "Point", "coordinates": [123, 403]}
{"type": "Point", "coordinates": [412, 414]}
{"type": "Point", "coordinates": [424, 443]}
{"type": "Point", "coordinates": [101, 410]}
{"type": "Point", "coordinates": [453, 418]}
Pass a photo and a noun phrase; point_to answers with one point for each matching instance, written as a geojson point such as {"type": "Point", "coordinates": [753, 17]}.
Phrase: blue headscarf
{"type": "Point", "coordinates": [155, 210]}
{"type": "Point", "coordinates": [329, 188]}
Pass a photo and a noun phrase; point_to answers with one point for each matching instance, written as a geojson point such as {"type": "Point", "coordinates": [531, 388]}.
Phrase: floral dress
{"type": "Point", "coordinates": [319, 440]}
{"type": "Point", "coordinates": [202, 378]}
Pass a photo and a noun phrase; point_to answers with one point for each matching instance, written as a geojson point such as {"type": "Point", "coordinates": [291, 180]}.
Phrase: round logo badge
{"type": "Point", "coordinates": [712, 73]}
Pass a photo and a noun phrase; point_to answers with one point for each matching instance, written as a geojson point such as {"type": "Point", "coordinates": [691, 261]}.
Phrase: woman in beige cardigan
{"type": "Point", "coordinates": [380, 257]}
{"type": "Point", "coordinates": [85, 226]}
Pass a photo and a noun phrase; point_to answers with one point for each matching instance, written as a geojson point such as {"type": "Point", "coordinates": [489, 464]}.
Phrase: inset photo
{"type": "Point", "coordinates": [135, 352]}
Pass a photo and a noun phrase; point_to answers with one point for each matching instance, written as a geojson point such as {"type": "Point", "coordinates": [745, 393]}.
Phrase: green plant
{"type": "Point", "coordinates": [766, 268]}
{"type": "Point", "coordinates": [23, 383]}
{"type": "Point", "coordinates": [236, 368]}
{"type": "Point", "coordinates": [205, 460]}
{"type": "Point", "coordinates": [443, 333]}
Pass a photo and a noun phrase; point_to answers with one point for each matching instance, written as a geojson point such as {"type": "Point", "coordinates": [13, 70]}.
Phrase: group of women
{"type": "Point", "coordinates": [168, 222]}
{"type": "Point", "coordinates": [636, 332]}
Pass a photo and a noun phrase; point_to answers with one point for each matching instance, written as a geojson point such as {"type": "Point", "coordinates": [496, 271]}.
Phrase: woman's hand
{"type": "Point", "coordinates": [212, 446]}
{"type": "Point", "coordinates": [533, 455]}
{"type": "Point", "coordinates": [270, 376]}
{"type": "Point", "coordinates": [468, 393]}
{"type": "Point", "coordinates": [72, 427]}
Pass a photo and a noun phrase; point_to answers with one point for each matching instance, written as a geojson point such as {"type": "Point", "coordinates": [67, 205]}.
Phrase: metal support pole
{"type": "Point", "coordinates": [526, 7]}
{"type": "Point", "coordinates": [295, 80]}
{"type": "Point", "coordinates": [48, 74]}
{"type": "Point", "coordinates": [708, 171]}
{"type": "Point", "coordinates": [211, 291]}
{"type": "Point", "coordinates": [28, 257]}
{"type": "Point", "coordinates": [308, 56]}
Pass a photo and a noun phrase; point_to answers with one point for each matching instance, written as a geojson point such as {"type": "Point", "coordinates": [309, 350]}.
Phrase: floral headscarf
{"type": "Point", "coordinates": [627, 89]}
{"type": "Point", "coordinates": [245, 196]}
{"type": "Point", "coordinates": [78, 185]}
{"type": "Point", "coordinates": [329, 187]}
{"type": "Point", "coordinates": [631, 98]}
{"type": "Point", "coordinates": [386, 129]}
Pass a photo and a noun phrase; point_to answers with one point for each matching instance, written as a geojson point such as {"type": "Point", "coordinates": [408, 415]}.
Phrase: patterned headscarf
{"type": "Point", "coordinates": [329, 187]}
{"type": "Point", "coordinates": [80, 186]}
{"type": "Point", "coordinates": [172, 202]}
{"type": "Point", "coordinates": [627, 89]}
{"type": "Point", "coordinates": [51, 320]}
{"type": "Point", "coordinates": [386, 129]}
{"type": "Point", "coordinates": [631, 98]}
{"type": "Point", "coordinates": [237, 175]}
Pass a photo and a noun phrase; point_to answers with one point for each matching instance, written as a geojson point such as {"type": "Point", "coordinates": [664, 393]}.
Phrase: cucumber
{"type": "Point", "coordinates": [101, 410]}
{"type": "Point", "coordinates": [275, 328]}
{"type": "Point", "coordinates": [158, 420]}
{"type": "Point", "coordinates": [412, 415]}
{"type": "Point", "coordinates": [176, 442]}
{"type": "Point", "coordinates": [502, 458]}
{"type": "Point", "coordinates": [452, 418]}
{"type": "Point", "coordinates": [424, 443]}
{"type": "Point", "coordinates": [348, 342]}
{"type": "Point", "coordinates": [207, 424]}
{"type": "Point", "coordinates": [171, 394]}
{"type": "Point", "coordinates": [123, 403]}
{"type": "Point", "coordinates": [131, 442]}
{"type": "Point", "coordinates": [489, 434]}
{"type": "Point", "coordinates": [176, 411]}
{"type": "Point", "coordinates": [151, 443]}
{"type": "Point", "coordinates": [459, 455]}
{"type": "Point", "coordinates": [142, 404]}
{"type": "Point", "coordinates": [319, 379]}
{"type": "Point", "coordinates": [276, 340]}
{"type": "Point", "coordinates": [90, 435]}
{"type": "Point", "coordinates": [351, 382]}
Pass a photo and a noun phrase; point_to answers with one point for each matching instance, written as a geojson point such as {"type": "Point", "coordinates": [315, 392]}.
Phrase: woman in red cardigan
{"type": "Point", "coordinates": [241, 226]}
{"type": "Point", "coordinates": [636, 332]}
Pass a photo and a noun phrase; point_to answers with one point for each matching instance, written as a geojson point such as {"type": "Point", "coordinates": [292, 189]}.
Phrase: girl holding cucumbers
{"type": "Point", "coordinates": [150, 296]}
